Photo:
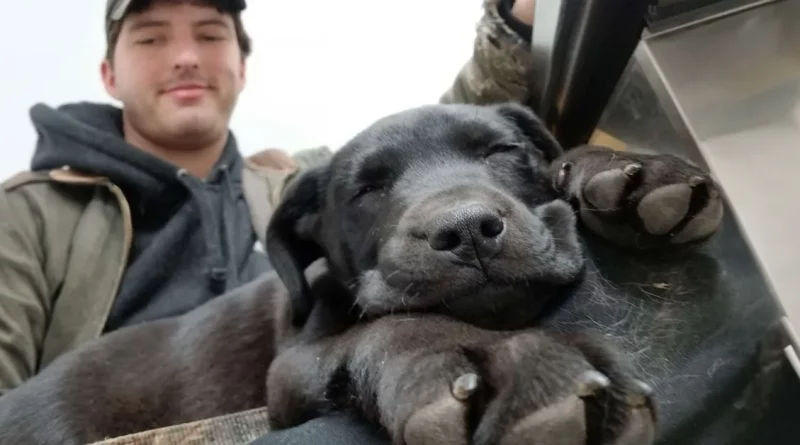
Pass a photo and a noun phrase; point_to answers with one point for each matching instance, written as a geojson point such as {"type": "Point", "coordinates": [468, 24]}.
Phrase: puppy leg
{"type": "Point", "coordinates": [359, 370]}
{"type": "Point", "coordinates": [209, 362]}
{"type": "Point", "coordinates": [302, 382]}
{"type": "Point", "coordinates": [428, 379]}
{"type": "Point", "coordinates": [526, 388]}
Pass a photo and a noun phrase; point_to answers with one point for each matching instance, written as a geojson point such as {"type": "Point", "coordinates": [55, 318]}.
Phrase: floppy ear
{"type": "Point", "coordinates": [532, 127]}
{"type": "Point", "coordinates": [291, 238]}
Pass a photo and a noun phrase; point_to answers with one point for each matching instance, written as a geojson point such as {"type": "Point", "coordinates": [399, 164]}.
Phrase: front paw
{"type": "Point", "coordinates": [525, 389]}
{"type": "Point", "coordinates": [639, 200]}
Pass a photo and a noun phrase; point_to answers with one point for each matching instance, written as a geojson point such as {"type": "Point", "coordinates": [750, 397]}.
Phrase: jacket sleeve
{"type": "Point", "coordinates": [501, 66]}
{"type": "Point", "coordinates": [23, 288]}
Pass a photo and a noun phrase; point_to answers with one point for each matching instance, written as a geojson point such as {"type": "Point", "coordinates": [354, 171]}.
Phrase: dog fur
{"type": "Point", "coordinates": [411, 272]}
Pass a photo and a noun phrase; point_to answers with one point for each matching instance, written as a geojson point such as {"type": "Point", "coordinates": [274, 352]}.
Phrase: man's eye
{"type": "Point", "coordinates": [211, 38]}
{"type": "Point", "coordinates": [148, 40]}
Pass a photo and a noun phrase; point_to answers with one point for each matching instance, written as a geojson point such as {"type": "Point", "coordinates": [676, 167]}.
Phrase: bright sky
{"type": "Point", "coordinates": [320, 72]}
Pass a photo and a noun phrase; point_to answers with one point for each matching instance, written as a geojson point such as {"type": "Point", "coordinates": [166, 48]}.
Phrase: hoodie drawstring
{"type": "Point", "coordinates": [216, 267]}
{"type": "Point", "coordinates": [229, 208]}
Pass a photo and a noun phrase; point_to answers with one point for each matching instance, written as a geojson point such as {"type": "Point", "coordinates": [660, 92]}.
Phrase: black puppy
{"type": "Point", "coordinates": [460, 210]}
{"type": "Point", "coordinates": [448, 209]}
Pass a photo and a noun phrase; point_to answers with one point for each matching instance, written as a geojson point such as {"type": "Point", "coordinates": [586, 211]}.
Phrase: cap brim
{"type": "Point", "coordinates": [118, 11]}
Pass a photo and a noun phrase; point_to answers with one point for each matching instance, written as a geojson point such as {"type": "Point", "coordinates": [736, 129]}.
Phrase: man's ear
{"type": "Point", "coordinates": [109, 78]}
{"type": "Point", "coordinates": [292, 238]}
{"type": "Point", "coordinates": [531, 127]}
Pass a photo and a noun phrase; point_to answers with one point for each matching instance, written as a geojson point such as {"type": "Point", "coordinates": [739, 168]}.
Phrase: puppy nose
{"type": "Point", "coordinates": [467, 230]}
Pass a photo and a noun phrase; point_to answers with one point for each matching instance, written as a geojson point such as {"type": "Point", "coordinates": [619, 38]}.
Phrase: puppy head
{"type": "Point", "coordinates": [444, 208]}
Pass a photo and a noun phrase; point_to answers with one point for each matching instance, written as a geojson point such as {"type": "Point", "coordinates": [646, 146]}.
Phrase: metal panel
{"type": "Point", "coordinates": [728, 90]}
{"type": "Point", "coordinates": [581, 48]}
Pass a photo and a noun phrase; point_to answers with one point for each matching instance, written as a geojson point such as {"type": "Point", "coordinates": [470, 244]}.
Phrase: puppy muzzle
{"type": "Point", "coordinates": [472, 247]}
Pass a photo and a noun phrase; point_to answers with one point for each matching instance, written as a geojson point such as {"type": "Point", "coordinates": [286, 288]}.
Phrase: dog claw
{"type": "Point", "coordinates": [641, 396]}
{"type": "Point", "coordinates": [561, 179]}
{"type": "Point", "coordinates": [563, 422]}
{"type": "Point", "coordinates": [591, 382]}
{"type": "Point", "coordinates": [694, 181]}
{"type": "Point", "coordinates": [632, 169]}
{"type": "Point", "coordinates": [464, 386]}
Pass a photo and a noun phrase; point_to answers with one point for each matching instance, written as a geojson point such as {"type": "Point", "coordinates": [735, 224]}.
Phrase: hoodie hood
{"type": "Point", "coordinates": [88, 137]}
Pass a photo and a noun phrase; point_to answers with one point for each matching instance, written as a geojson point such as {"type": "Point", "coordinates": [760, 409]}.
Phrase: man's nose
{"type": "Point", "coordinates": [187, 56]}
{"type": "Point", "coordinates": [468, 230]}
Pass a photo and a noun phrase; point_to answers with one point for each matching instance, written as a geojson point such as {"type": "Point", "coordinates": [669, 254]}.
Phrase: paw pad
{"type": "Point", "coordinates": [662, 209]}
{"type": "Point", "coordinates": [605, 190]}
{"type": "Point", "coordinates": [641, 427]}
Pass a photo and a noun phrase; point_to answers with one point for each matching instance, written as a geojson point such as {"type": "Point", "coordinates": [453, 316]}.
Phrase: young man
{"type": "Point", "coordinates": [148, 211]}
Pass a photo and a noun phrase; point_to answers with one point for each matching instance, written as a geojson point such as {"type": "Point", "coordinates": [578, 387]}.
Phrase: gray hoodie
{"type": "Point", "coordinates": [193, 238]}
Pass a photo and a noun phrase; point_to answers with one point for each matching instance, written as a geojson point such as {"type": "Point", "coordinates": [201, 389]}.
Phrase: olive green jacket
{"type": "Point", "coordinates": [65, 237]}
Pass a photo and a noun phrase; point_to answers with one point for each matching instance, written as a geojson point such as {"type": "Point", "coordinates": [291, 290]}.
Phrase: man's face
{"type": "Point", "coordinates": [178, 71]}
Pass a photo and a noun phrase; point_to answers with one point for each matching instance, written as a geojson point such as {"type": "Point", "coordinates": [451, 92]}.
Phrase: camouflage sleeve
{"type": "Point", "coordinates": [501, 65]}
{"type": "Point", "coordinates": [304, 160]}
{"type": "Point", "coordinates": [234, 429]}
{"type": "Point", "coordinates": [309, 158]}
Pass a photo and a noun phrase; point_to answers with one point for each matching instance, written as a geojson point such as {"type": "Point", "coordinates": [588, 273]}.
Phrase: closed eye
{"type": "Point", "coordinates": [148, 41]}
{"type": "Point", "coordinates": [212, 38]}
{"type": "Point", "coordinates": [366, 190]}
{"type": "Point", "coordinates": [502, 147]}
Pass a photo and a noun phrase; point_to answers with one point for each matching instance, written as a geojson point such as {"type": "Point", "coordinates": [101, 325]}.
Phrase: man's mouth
{"type": "Point", "coordinates": [186, 91]}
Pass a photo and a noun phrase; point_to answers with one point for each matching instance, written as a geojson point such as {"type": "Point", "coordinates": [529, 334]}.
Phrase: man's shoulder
{"type": "Point", "coordinates": [55, 176]}
{"type": "Point", "coordinates": [267, 172]}
{"type": "Point", "coordinates": [24, 177]}
{"type": "Point", "coordinates": [266, 175]}
{"type": "Point", "coordinates": [47, 194]}
{"type": "Point", "coordinates": [273, 160]}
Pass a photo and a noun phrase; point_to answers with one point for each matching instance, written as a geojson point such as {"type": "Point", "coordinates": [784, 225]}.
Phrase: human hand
{"type": "Point", "coordinates": [523, 11]}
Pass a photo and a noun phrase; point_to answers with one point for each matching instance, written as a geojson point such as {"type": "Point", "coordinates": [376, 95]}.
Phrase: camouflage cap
{"type": "Point", "coordinates": [116, 9]}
